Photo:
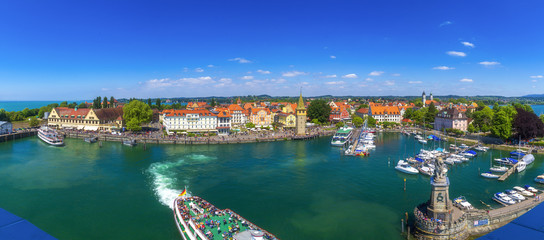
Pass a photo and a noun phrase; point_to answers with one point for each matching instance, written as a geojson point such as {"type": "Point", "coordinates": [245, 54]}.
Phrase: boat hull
{"type": "Point", "coordinates": [49, 141]}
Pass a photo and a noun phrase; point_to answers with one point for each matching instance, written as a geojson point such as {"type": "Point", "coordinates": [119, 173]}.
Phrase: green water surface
{"type": "Point", "coordinates": [294, 189]}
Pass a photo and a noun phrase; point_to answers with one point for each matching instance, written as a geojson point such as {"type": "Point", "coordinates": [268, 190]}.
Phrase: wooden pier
{"type": "Point", "coordinates": [17, 135]}
{"type": "Point", "coordinates": [508, 173]}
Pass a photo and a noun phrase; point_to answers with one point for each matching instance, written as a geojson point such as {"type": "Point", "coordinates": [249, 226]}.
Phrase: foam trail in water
{"type": "Point", "coordinates": [164, 178]}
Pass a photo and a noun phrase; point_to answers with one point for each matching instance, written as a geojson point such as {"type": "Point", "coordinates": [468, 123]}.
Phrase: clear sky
{"type": "Point", "coordinates": [54, 50]}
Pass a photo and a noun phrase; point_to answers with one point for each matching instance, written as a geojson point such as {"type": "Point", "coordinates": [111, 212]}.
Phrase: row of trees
{"type": "Point", "coordinates": [101, 103]}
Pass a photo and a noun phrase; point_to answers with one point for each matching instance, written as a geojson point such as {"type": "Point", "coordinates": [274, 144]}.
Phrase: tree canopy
{"type": "Point", "coordinates": [136, 113]}
{"type": "Point", "coordinates": [320, 110]}
{"type": "Point", "coordinates": [527, 124]}
{"type": "Point", "coordinates": [357, 121]}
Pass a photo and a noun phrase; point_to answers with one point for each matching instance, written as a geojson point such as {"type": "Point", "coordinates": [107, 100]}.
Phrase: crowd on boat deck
{"type": "Point", "coordinates": [204, 212]}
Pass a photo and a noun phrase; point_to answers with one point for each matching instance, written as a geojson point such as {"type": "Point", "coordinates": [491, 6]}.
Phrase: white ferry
{"type": "Point", "coordinates": [341, 136]}
{"type": "Point", "coordinates": [50, 136]}
{"type": "Point", "coordinates": [197, 219]}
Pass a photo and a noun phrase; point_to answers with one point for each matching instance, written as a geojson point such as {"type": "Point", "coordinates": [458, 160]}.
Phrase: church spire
{"type": "Point", "coordinates": [300, 104]}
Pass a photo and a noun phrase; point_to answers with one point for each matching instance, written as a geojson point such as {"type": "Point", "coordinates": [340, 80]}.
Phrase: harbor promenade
{"type": "Point", "coordinates": [247, 137]}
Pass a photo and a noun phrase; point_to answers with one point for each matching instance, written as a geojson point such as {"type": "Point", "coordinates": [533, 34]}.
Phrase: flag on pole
{"type": "Point", "coordinates": [183, 193]}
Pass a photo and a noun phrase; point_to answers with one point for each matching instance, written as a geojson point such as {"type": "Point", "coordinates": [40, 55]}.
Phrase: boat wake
{"type": "Point", "coordinates": [164, 177]}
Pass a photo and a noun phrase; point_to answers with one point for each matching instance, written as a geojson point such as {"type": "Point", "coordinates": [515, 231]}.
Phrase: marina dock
{"type": "Point", "coordinates": [508, 173]}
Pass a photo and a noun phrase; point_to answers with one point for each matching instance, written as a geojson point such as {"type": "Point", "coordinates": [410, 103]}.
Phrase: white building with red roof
{"type": "Point", "coordinates": [190, 120]}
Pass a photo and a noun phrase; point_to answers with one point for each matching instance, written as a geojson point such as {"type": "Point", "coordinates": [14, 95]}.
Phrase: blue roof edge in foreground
{"type": "Point", "coordinates": [16, 228]}
{"type": "Point", "coordinates": [528, 226]}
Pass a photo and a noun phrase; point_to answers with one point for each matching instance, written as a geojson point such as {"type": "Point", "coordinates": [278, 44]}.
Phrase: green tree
{"type": "Point", "coordinates": [250, 125]}
{"type": "Point", "coordinates": [212, 104]}
{"type": "Point", "coordinates": [34, 122]}
{"type": "Point", "coordinates": [339, 124]}
{"type": "Point", "coordinates": [408, 114]}
{"type": "Point", "coordinates": [149, 102]}
{"type": "Point", "coordinates": [105, 103]}
{"type": "Point", "coordinates": [431, 113]}
{"type": "Point", "coordinates": [64, 104]}
{"type": "Point", "coordinates": [541, 117]}
{"type": "Point", "coordinates": [320, 110]}
{"type": "Point", "coordinates": [26, 112]}
{"type": "Point", "coordinates": [72, 105]}
{"type": "Point", "coordinates": [158, 102]}
{"type": "Point", "coordinates": [3, 115]}
{"type": "Point", "coordinates": [111, 101]}
{"type": "Point", "coordinates": [357, 121]}
{"type": "Point", "coordinates": [82, 105]}
{"type": "Point", "coordinates": [135, 113]}
{"type": "Point", "coordinates": [482, 119]}
{"type": "Point", "coordinates": [472, 129]}
{"type": "Point", "coordinates": [316, 122]}
{"type": "Point", "coordinates": [501, 125]}
{"type": "Point", "coordinates": [371, 121]}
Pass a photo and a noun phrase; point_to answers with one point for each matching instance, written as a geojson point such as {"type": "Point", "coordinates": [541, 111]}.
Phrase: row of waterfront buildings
{"type": "Point", "coordinates": [224, 118]}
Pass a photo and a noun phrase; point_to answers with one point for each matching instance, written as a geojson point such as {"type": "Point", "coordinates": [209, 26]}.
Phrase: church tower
{"type": "Point", "coordinates": [301, 117]}
{"type": "Point", "coordinates": [431, 96]}
{"type": "Point", "coordinates": [423, 98]}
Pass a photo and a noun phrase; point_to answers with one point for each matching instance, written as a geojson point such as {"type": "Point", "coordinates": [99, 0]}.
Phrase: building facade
{"type": "Point", "coordinates": [223, 122]}
{"type": "Point", "coordinates": [190, 121]}
{"type": "Point", "coordinates": [386, 113]}
{"type": "Point", "coordinates": [5, 127]}
{"type": "Point", "coordinates": [451, 118]}
{"type": "Point", "coordinates": [238, 117]}
{"type": "Point", "coordinates": [260, 117]}
{"type": "Point", "coordinates": [104, 119]}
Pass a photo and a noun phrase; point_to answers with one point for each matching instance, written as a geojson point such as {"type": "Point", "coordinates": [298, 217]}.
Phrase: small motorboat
{"type": "Point", "coordinates": [530, 189]}
{"type": "Point", "coordinates": [500, 169]}
{"type": "Point", "coordinates": [480, 149]}
{"type": "Point", "coordinates": [489, 175]}
{"type": "Point", "coordinates": [463, 146]}
{"type": "Point", "coordinates": [540, 179]}
{"type": "Point", "coordinates": [425, 170]}
{"type": "Point", "coordinates": [91, 139]}
{"type": "Point", "coordinates": [514, 195]}
{"type": "Point", "coordinates": [422, 141]}
{"type": "Point", "coordinates": [406, 168]}
{"type": "Point", "coordinates": [462, 203]}
{"type": "Point", "coordinates": [449, 161]}
{"type": "Point", "coordinates": [129, 142]}
{"type": "Point", "coordinates": [503, 198]}
{"type": "Point", "coordinates": [523, 192]}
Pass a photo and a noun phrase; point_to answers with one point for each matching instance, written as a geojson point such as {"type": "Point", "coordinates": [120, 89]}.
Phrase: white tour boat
{"type": "Point", "coordinates": [50, 136]}
{"type": "Point", "coordinates": [406, 168]}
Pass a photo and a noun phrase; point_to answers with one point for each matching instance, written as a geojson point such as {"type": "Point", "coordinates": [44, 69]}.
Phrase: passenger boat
{"type": "Point", "coordinates": [406, 168]}
{"type": "Point", "coordinates": [462, 203]}
{"type": "Point", "coordinates": [498, 169]}
{"type": "Point", "coordinates": [50, 136]}
{"type": "Point", "coordinates": [503, 198]}
{"type": "Point", "coordinates": [91, 139]}
{"type": "Point", "coordinates": [198, 219]}
{"type": "Point", "coordinates": [514, 195]}
{"type": "Point", "coordinates": [341, 136]}
{"type": "Point", "coordinates": [129, 142]}
{"type": "Point", "coordinates": [540, 179]}
{"type": "Point", "coordinates": [489, 175]}
{"type": "Point", "coordinates": [530, 189]}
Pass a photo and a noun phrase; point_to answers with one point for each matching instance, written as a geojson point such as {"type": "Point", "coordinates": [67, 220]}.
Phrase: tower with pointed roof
{"type": "Point", "coordinates": [424, 98]}
{"type": "Point", "coordinates": [301, 117]}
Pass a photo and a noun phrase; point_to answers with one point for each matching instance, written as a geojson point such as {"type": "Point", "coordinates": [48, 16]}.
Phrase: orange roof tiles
{"type": "Point", "coordinates": [381, 110]}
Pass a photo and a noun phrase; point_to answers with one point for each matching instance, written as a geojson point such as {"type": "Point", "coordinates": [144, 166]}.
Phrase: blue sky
{"type": "Point", "coordinates": [55, 50]}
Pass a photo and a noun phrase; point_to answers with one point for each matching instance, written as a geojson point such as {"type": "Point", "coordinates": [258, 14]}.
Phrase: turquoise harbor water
{"type": "Point", "coordinates": [11, 106]}
{"type": "Point", "coordinates": [295, 189]}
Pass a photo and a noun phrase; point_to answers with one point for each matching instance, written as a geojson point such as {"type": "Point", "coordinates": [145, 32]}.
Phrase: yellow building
{"type": "Point", "coordinates": [287, 120]}
{"type": "Point", "coordinates": [104, 119]}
